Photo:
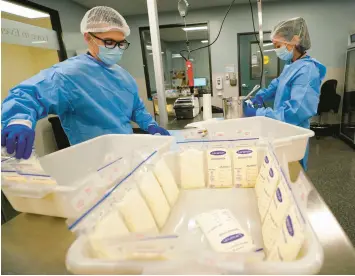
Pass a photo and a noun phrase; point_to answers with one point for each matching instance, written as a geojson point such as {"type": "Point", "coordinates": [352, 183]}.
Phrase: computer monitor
{"type": "Point", "coordinates": [200, 82]}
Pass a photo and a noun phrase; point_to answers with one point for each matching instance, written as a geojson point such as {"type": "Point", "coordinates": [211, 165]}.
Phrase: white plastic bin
{"type": "Point", "coordinates": [83, 174]}
{"type": "Point", "coordinates": [287, 139]}
{"type": "Point", "coordinates": [200, 259]}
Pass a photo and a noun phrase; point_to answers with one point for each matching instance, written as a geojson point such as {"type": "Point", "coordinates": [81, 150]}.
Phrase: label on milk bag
{"type": "Point", "coordinates": [245, 167]}
{"type": "Point", "coordinates": [276, 214]}
{"type": "Point", "coordinates": [290, 237]}
{"type": "Point", "coordinates": [82, 200]}
{"type": "Point", "coordinates": [223, 232]}
{"type": "Point", "coordinates": [266, 184]}
{"type": "Point", "coordinates": [219, 166]}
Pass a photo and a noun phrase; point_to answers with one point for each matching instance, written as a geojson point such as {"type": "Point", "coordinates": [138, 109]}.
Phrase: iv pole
{"type": "Point", "coordinates": [261, 38]}
{"type": "Point", "coordinates": [157, 61]}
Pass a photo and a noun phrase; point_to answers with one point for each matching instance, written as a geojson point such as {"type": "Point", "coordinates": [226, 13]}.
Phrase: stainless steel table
{"type": "Point", "coordinates": [34, 244]}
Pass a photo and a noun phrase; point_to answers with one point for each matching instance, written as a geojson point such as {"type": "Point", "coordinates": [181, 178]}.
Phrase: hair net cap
{"type": "Point", "coordinates": [293, 31]}
{"type": "Point", "coordinates": [103, 19]}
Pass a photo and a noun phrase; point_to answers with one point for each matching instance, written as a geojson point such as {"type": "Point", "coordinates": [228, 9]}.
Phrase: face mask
{"type": "Point", "coordinates": [109, 56]}
{"type": "Point", "coordinates": [284, 54]}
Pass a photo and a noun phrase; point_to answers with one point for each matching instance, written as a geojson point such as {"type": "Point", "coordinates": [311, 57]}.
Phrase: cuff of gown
{"type": "Point", "coordinates": [20, 122]}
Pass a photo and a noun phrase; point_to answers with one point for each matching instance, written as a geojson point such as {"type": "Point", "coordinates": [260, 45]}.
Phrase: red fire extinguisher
{"type": "Point", "coordinates": [190, 73]}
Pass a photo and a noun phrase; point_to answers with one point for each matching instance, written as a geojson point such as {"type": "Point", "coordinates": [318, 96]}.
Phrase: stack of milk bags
{"type": "Point", "coordinates": [282, 223]}
{"type": "Point", "coordinates": [225, 167]}
{"type": "Point", "coordinates": [144, 209]}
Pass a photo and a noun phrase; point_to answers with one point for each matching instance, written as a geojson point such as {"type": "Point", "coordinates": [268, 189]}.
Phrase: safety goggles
{"type": "Point", "coordinates": [110, 44]}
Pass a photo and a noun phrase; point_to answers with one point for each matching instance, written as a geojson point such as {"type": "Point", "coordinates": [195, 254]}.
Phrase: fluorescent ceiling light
{"type": "Point", "coordinates": [41, 41]}
{"type": "Point", "coordinates": [268, 44]}
{"type": "Point", "coordinates": [271, 50]}
{"type": "Point", "coordinates": [149, 47]}
{"type": "Point", "coordinates": [204, 41]}
{"type": "Point", "coordinates": [21, 10]}
{"type": "Point", "coordinates": [176, 56]}
{"type": "Point", "coordinates": [152, 53]}
{"type": "Point", "coordinates": [199, 28]}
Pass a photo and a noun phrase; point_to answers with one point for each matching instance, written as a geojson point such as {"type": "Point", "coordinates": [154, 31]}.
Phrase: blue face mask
{"type": "Point", "coordinates": [284, 54]}
{"type": "Point", "coordinates": [109, 56]}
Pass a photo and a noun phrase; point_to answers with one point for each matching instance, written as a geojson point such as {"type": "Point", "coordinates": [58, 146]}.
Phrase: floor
{"type": "Point", "coordinates": [331, 167]}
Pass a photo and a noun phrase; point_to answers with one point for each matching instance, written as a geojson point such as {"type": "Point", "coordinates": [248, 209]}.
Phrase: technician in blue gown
{"type": "Point", "coordinates": [90, 93]}
{"type": "Point", "coordinates": [296, 91]}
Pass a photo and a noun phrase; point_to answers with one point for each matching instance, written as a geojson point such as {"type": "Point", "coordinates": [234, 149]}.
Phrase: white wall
{"type": "Point", "coordinates": [329, 24]}
{"type": "Point", "coordinates": [70, 15]}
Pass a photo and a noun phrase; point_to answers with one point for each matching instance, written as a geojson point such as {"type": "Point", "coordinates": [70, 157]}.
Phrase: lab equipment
{"type": "Point", "coordinates": [224, 232]}
{"type": "Point", "coordinates": [233, 106]}
{"type": "Point", "coordinates": [155, 129]}
{"type": "Point", "coordinates": [183, 7]}
{"type": "Point", "coordinates": [293, 31]}
{"type": "Point", "coordinates": [192, 163]}
{"type": "Point", "coordinates": [219, 165]}
{"type": "Point", "coordinates": [89, 99]}
{"type": "Point", "coordinates": [207, 106]}
{"type": "Point", "coordinates": [18, 138]}
{"type": "Point", "coordinates": [200, 82]}
{"type": "Point", "coordinates": [103, 19]}
{"type": "Point", "coordinates": [245, 167]}
{"type": "Point", "coordinates": [154, 197]}
{"type": "Point", "coordinates": [186, 107]}
{"type": "Point", "coordinates": [166, 181]}
{"type": "Point", "coordinates": [296, 93]}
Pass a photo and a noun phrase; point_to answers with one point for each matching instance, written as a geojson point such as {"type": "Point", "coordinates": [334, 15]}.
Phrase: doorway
{"type": "Point", "coordinates": [31, 41]}
{"type": "Point", "coordinates": [249, 59]}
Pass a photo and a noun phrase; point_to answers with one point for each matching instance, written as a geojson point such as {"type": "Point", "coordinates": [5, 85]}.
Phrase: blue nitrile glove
{"type": "Point", "coordinates": [154, 129]}
{"type": "Point", "coordinates": [249, 111]}
{"type": "Point", "coordinates": [19, 138]}
{"type": "Point", "coordinates": [257, 101]}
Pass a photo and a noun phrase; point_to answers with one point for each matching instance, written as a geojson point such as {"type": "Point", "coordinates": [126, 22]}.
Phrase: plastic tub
{"type": "Point", "coordinates": [287, 139]}
{"type": "Point", "coordinates": [83, 174]}
{"type": "Point", "coordinates": [241, 202]}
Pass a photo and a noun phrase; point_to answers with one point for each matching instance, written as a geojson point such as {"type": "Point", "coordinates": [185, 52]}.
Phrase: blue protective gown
{"type": "Point", "coordinates": [296, 94]}
{"type": "Point", "coordinates": [90, 98]}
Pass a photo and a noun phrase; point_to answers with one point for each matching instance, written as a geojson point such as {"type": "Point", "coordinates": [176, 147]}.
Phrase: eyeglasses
{"type": "Point", "coordinates": [110, 44]}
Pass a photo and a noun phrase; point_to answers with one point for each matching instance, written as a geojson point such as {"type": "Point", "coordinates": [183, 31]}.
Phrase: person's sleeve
{"type": "Point", "coordinates": [140, 114]}
{"type": "Point", "coordinates": [268, 93]}
{"type": "Point", "coordinates": [35, 98]}
{"type": "Point", "coordinates": [303, 102]}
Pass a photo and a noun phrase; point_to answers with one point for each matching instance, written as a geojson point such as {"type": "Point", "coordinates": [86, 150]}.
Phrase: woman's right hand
{"type": "Point", "coordinates": [257, 101]}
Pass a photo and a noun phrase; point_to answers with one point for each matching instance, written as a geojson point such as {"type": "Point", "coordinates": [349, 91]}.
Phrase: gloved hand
{"type": "Point", "coordinates": [249, 111]}
{"type": "Point", "coordinates": [154, 129]}
{"type": "Point", "coordinates": [257, 101]}
{"type": "Point", "coordinates": [20, 138]}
